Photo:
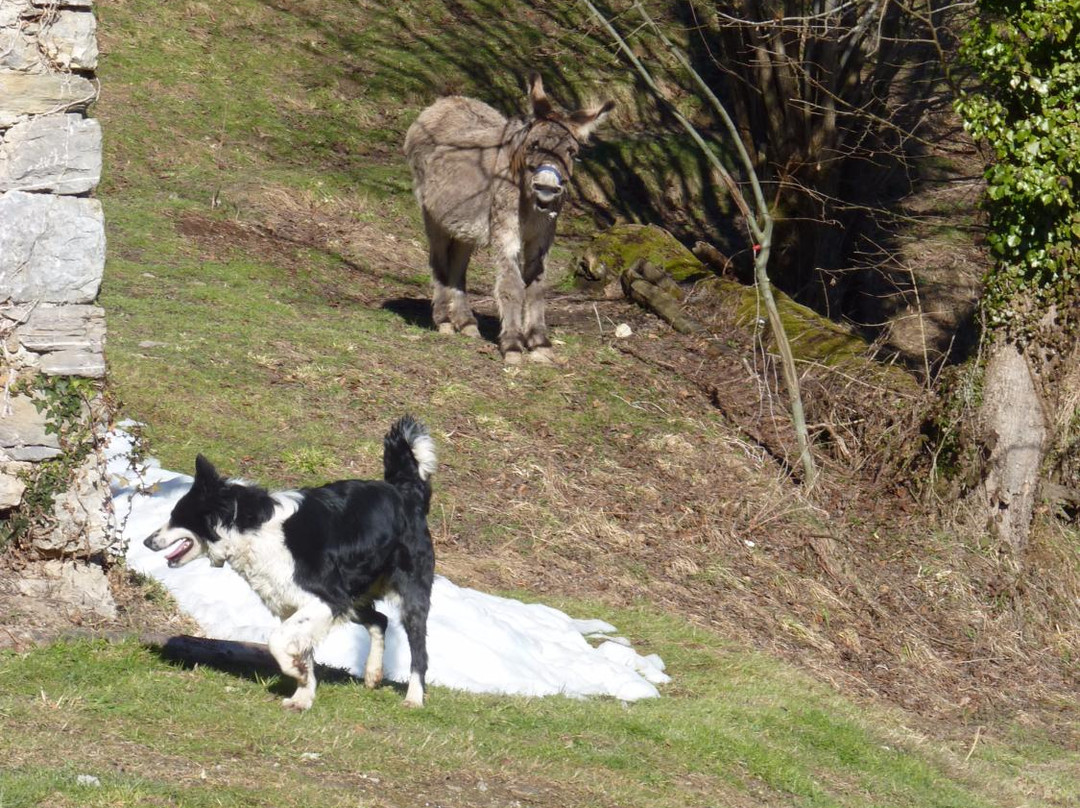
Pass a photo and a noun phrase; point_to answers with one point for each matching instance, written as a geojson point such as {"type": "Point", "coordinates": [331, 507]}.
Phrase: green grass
{"type": "Point", "coordinates": [260, 223]}
{"type": "Point", "coordinates": [734, 729]}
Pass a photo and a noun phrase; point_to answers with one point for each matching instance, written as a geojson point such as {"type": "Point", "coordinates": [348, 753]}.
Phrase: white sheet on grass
{"type": "Point", "coordinates": [476, 642]}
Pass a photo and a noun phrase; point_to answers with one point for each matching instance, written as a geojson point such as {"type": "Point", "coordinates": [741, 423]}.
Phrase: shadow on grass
{"type": "Point", "coordinates": [245, 660]}
{"type": "Point", "coordinates": [417, 312]}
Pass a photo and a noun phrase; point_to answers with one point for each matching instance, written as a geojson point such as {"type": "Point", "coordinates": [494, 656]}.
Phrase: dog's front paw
{"type": "Point", "coordinates": [298, 702]}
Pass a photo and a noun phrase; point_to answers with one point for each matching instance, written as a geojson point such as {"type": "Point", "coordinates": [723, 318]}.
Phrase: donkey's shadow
{"type": "Point", "coordinates": [417, 311]}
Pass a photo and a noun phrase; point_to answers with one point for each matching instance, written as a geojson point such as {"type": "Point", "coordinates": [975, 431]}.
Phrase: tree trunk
{"type": "Point", "coordinates": [1014, 429]}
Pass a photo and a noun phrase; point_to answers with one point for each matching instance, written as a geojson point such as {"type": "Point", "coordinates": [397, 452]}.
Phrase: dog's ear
{"type": "Point", "coordinates": [205, 473]}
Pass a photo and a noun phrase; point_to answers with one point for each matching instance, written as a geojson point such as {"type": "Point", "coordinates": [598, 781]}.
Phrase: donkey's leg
{"type": "Point", "coordinates": [461, 316]}
{"type": "Point", "coordinates": [535, 326]}
{"type": "Point", "coordinates": [536, 335]}
{"type": "Point", "coordinates": [510, 295]}
{"type": "Point", "coordinates": [439, 260]}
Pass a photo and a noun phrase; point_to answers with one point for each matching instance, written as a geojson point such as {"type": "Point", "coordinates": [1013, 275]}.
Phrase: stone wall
{"type": "Point", "coordinates": [52, 257]}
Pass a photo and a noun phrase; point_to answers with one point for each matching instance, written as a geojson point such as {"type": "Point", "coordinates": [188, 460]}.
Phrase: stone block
{"type": "Point", "coordinates": [22, 431]}
{"type": "Point", "coordinates": [68, 39]}
{"type": "Point", "coordinates": [19, 51]}
{"type": "Point", "coordinates": [74, 363]}
{"type": "Point", "coordinates": [57, 153]}
{"type": "Point", "coordinates": [51, 327]}
{"type": "Point", "coordinates": [64, 3]}
{"type": "Point", "coordinates": [82, 524]}
{"type": "Point", "coordinates": [11, 491]}
{"type": "Point", "coordinates": [52, 248]}
{"type": "Point", "coordinates": [11, 11]}
{"type": "Point", "coordinates": [72, 586]}
{"type": "Point", "coordinates": [26, 94]}
{"type": "Point", "coordinates": [15, 315]}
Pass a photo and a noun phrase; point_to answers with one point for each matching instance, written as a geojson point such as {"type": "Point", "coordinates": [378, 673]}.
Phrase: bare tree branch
{"type": "Point", "coordinates": [759, 221]}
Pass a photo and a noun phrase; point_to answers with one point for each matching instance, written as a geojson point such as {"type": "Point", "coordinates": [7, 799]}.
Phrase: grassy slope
{"type": "Point", "coordinates": [736, 730]}
{"type": "Point", "coordinates": [265, 294]}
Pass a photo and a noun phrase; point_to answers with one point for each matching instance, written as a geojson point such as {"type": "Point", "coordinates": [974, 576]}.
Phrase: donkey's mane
{"type": "Point", "coordinates": [517, 140]}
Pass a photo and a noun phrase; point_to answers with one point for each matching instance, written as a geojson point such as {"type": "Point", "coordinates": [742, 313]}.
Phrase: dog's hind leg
{"type": "Point", "coordinates": [414, 615]}
{"type": "Point", "coordinates": [375, 623]}
{"type": "Point", "coordinates": [293, 646]}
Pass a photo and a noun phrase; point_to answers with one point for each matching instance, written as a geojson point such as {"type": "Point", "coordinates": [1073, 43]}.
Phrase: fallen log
{"type": "Point", "coordinates": [649, 286]}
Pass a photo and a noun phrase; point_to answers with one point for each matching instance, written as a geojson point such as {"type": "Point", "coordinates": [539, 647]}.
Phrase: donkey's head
{"type": "Point", "coordinates": [544, 161]}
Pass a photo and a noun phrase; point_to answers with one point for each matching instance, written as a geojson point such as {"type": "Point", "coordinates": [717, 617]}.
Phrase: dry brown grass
{"type": "Point", "coordinates": [672, 483]}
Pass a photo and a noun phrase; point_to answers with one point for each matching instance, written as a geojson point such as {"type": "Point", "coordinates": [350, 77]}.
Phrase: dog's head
{"type": "Point", "coordinates": [195, 519]}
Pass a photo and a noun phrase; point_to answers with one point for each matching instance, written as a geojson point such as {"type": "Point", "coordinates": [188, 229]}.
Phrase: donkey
{"type": "Point", "coordinates": [481, 179]}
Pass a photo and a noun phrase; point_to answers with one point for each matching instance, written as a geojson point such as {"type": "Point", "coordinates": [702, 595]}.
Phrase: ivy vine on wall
{"type": "Point", "coordinates": [1026, 108]}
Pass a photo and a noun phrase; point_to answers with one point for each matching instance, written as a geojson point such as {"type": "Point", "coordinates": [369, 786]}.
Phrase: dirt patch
{"type": "Point", "coordinates": [25, 622]}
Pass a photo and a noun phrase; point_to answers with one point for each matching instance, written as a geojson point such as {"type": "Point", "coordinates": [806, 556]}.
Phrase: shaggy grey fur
{"type": "Point", "coordinates": [481, 179]}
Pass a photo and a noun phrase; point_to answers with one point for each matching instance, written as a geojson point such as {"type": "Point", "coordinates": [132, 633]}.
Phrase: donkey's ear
{"type": "Point", "coordinates": [205, 472]}
{"type": "Point", "coordinates": [584, 121]}
{"type": "Point", "coordinates": [541, 106]}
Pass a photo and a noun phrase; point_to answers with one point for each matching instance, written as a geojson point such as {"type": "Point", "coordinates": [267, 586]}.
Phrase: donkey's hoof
{"type": "Point", "coordinates": [512, 358]}
{"type": "Point", "coordinates": [446, 328]}
{"type": "Point", "coordinates": [542, 356]}
{"type": "Point", "coordinates": [471, 330]}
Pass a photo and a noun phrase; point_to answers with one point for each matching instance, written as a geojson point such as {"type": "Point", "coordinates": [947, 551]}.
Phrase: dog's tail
{"type": "Point", "coordinates": [409, 460]}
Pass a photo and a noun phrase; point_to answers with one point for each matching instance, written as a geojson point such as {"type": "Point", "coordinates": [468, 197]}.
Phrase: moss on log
{"type": "Point", "coordinates": [620, 256]}
{"type": "Point", "coordinates": [613, 251]}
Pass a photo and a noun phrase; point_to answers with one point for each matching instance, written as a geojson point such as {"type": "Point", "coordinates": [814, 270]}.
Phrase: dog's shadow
{"type": "Point", "coordinates": [245, 660]}
{"type": "Point", "coordinates": [417, 311]}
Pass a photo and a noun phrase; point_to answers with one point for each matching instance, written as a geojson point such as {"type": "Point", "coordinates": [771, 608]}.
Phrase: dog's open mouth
{"type": "Point", "coordinates": [180, 551]}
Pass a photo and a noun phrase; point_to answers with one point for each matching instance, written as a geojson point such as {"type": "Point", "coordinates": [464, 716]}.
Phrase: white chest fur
{"type": "Point", "coordinates": [261, 558]}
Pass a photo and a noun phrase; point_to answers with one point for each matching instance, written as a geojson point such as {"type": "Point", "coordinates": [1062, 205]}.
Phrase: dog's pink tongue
{"type": "Point", "coordinates": [182, 548]}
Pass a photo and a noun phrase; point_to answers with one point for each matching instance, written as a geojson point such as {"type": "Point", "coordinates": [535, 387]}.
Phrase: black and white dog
{"type": "Point", "coordinates": [322, 556]}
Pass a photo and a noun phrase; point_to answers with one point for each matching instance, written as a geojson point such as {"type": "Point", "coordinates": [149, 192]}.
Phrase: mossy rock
{"type": "Point", "coordinates": [611, 252]}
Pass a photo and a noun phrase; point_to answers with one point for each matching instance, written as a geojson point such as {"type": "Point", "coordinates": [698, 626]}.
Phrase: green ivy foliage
{"type": "Point", "coordinates": [64, 400]}
{"type": "Point", "coordinates": [1026, 59]}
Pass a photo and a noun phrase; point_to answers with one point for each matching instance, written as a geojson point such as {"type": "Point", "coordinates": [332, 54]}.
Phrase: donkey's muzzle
{"type": "Point", "coordinates": [547, 185]}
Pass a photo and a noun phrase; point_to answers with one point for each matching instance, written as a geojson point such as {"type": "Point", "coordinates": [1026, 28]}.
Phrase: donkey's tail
{"type": "Point", "coordinates": [409, 460]}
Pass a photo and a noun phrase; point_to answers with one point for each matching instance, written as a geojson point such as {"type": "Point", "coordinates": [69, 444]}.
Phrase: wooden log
{"type": "Point", "coordinates": [651, 287]}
